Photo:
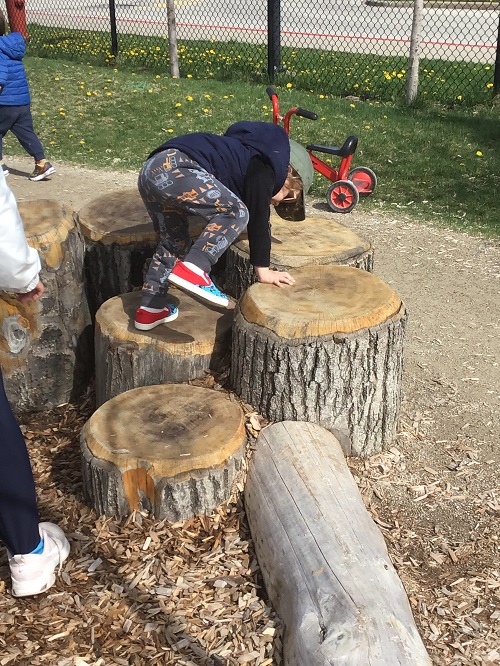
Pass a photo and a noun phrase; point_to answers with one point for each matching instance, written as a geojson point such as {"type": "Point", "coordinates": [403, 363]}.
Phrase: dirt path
{"type": "Point", "coordinates": [435, 494]}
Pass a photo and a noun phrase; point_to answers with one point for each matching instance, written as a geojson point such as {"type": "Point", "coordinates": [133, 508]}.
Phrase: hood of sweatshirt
{"type": "Point", "coordinates": [269, 140]}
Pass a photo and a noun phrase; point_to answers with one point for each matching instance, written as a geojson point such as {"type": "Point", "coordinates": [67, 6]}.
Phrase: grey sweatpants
{"type": "Point", "coordinates": [173, 187]}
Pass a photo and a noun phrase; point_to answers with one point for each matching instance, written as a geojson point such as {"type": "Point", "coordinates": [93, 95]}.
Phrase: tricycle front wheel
{"type": "Point", "coordinates": [342, 196]}
{"type": "Point", "coordinates": [364, 179]}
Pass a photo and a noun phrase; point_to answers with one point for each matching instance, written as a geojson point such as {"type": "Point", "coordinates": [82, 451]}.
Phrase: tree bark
{"type": "Point", "coordinates": [46, 350]}
{"type": "Point", "coordinates": [327, 350]}
{"type": "Point", "coordinates": [176, 352]}
{"type": "Point", "coordinates": [316, 241]}
{"type": "Point", "coordinates": [173, 450]}
{"type": "Point", "coordinates": [324, 562]}
{"type": "Point", "coordinates": [119, 238]}
{"type": "Point", "coordinates": [415, 47]}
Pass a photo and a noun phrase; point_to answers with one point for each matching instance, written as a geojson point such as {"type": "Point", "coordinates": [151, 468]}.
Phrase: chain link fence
{"type": "Point", "coordinates": [345, 47]}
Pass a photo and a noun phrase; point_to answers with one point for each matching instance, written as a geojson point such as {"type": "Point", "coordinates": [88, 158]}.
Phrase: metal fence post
{"type": "Point", "coordinates": [273, 37]}
{"type": "Point", "coordinates": [112, 20]}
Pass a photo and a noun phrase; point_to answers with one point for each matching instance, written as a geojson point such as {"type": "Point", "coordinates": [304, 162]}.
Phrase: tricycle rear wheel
{"type": "Point", "coordinates": [364, 179]}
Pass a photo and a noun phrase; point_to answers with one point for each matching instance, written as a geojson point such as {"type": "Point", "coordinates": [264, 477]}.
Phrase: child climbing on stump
{"type": "Point", "coordinates": [229, 180]}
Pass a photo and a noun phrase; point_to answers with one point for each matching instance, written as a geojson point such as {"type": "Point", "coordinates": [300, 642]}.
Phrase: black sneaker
{"type": "Point", "coordinates": [42, 171]}
{"type": "Point", "coordinates": [5, 169]}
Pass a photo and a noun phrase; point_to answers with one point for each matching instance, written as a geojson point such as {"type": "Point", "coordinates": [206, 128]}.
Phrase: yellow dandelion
{"type": "Point", "coordinates": [489, 85]}
{"type": "Point", "coordinates": [288, 85]}
{"type": "Point", "coordinates": [353, 106]}
{"type": "Point", "coordinates": [178, 105]}
{"type": "Point", "coordinates": [82, 142]}
{"type": "Point", "coordinates": [56, 78]}
{"type": "Point", "coordinates": [189, 98]}
{"type": "Point", "coordinates": [189, 76]}
{"type": "Point", "coordinates": [179, 115]}
{"type": "Point", "coordinates": [479, 153]}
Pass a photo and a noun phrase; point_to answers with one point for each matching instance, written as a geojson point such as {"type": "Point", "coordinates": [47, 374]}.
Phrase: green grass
{"type": "Point", "coordinates": [328, 72]}
{"type": "Point", "coordinates": [435, 164]}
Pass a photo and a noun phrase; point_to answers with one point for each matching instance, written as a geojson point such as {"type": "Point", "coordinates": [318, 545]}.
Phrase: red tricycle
{"type": "Point", "coordinates": [347, 185]}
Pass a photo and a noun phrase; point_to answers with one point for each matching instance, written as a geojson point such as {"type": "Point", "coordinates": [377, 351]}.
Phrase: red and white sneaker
{"type": "Point", "coordinates": [148, 318]}
{"type": "Point", "coordinates": [199, 285]}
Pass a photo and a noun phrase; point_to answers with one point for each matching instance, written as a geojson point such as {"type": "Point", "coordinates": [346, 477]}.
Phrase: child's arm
{"type": "Point", "coordinates": [259, 184]}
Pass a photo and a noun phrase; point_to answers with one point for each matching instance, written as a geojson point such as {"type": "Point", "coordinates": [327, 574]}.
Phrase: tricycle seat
{"type": "Point", "coordinates": [348, 148]}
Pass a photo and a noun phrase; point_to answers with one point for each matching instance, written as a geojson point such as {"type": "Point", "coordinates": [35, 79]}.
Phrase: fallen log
{"type": "Point", "coordinates": [323, 560]}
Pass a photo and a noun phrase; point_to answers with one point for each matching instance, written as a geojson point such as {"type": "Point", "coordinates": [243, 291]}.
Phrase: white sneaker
{"type": "Point", "coordinates": [32, 574]}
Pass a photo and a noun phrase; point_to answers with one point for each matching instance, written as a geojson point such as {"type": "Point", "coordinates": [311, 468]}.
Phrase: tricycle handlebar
{"type": "Point", "coordinates": [306, 114]}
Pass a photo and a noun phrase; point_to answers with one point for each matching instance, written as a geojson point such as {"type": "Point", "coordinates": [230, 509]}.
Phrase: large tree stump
{"type": "Point", "coordinates": [176, 352]}
{"type": "Point", "coordinates": [323, 560]}
{"type": "Point", "coordinates": [315, 241]}
{"type": "Point", "coordinates": [328, 350]}
{"type": "Point", "coordinates": [172, 450]}
{"type": "Point", "coordinates": [46, 350]}
{"type": "Point", "coordinates": [119, 237]}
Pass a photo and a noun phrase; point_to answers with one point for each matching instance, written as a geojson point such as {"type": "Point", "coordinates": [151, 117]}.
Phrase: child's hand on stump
{"type": "Point", "coordinates": [268, 276]}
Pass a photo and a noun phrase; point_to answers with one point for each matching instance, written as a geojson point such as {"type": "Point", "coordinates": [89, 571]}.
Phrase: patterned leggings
{"type": "Point", "coordinates": [172, 187]}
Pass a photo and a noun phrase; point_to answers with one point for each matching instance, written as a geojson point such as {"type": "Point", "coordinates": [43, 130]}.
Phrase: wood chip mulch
{"type": "Point", "coordinates": [139, 592]}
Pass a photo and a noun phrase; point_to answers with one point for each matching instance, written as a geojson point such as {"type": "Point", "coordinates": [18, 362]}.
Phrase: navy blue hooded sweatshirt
{"type": "Point", "coordinates": [227, 157]}
{"type": "Point", "coordinates": [251, 159]}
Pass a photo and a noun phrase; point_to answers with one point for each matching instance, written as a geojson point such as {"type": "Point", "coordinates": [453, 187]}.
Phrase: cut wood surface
{"type": "Point", "coordinates": [324, 562]}
{"type": "Point", "coordinates": [176, 352]}
{"type": "Point", "coordinates": [328, 349]}
{"type": "Point", "coordinates": [46, 346]}
{"type": "Point", "coordinates": [173, 450]}
{"type": "Point", "coordinates": [119, 237]}
{"type": "Point", "coordinates": [315, 241]}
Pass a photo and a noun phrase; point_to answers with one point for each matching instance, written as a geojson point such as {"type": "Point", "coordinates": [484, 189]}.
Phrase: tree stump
{"type": "Point", "coordinates": [177, 352]}
{"type": "Point", "coordinates": [46, 350]}
{"type": "Point", "coordinates": [173, 450]}
{"type": "Point", "coordinates": [327, 350]}
{"type": "Point", "coordinates": [313, 242]}
{"type": "Point", "coordinates": [119, 237]}
{"type": "Point", "coordinates": [323, 560]}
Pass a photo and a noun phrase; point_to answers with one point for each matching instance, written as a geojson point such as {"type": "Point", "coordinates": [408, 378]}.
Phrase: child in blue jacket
{"type": "Point", "coordinates": [15, 100]}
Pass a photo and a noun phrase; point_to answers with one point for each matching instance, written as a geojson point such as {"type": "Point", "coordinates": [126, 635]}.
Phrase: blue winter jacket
{"type": "Point", "coordinates": [15, 91]}
{"type": "Point", "coordinates": [227, 157]}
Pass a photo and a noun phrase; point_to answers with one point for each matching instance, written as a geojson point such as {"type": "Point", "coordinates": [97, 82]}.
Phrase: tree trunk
{"type": "Point", "coordinates": [172, 450]}
{"type": "Point", "coordinates": [324, 562]}
{"type": "Point", "coordinates": [46, 349]}
{"type": "Point", "coordinates": [314, 242]}
{"type": "Point", "coordinates": [328, 350]}
{"type": "Point", "coordinates": [176, 352]}
{"type": "Point", "coordinates": [119, 237]}
{"type": "Point", "coordinates": [172, 39]}
{"type": "Point", "coordinates": [415, 42]}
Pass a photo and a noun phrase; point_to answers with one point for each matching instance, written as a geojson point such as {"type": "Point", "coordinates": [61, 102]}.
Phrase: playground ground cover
{"type": "Point", "coordinates": [139, 592]}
